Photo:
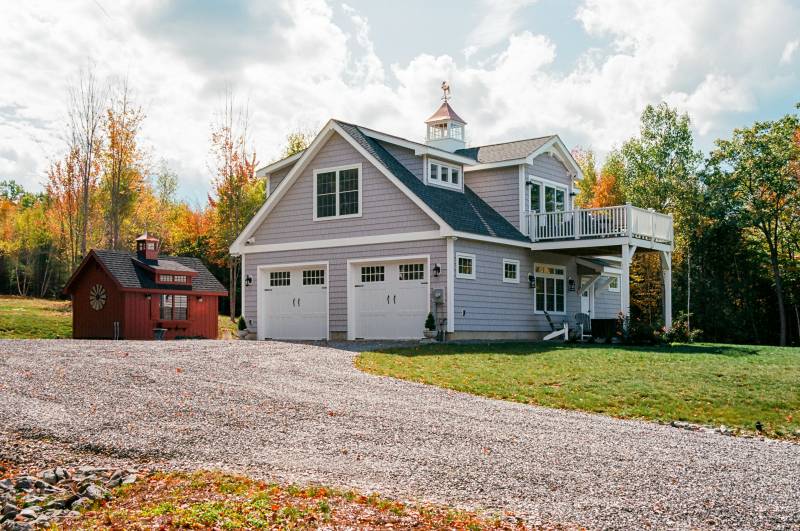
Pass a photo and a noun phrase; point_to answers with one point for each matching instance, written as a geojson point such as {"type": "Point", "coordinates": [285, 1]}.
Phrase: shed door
{"type": "Point", "coordinates": [296, 303]}
{"type": "Point", "coordinates": [390, 300]}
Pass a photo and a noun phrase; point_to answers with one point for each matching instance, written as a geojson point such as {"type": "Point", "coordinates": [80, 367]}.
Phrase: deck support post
{"type": "Point", "coordinates": [666, 273]}
{"type": "Point", "coordinates": [625, 280]}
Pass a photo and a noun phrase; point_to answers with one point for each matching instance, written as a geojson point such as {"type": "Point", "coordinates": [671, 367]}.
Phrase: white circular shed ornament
{"type": "Point", "coordinates": [97, 297]}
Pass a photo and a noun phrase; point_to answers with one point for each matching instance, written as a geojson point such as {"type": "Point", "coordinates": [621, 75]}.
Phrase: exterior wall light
{"type": "Point", "coordinates": [147, 297]}
{"type": "Point", "coordinates": [200, 298]}
{"type": "Point", "coordinates": [248, 280]}
{"type": "Point", "coordinates": [571, 284]}
{"type": "Point", "coordinates": [436, 270]}
{"type": "Point", "coordinates": [531, 280]}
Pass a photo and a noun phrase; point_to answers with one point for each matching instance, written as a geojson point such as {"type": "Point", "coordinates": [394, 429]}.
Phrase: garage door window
{"type": "Point", "coordinates": [314, 277]}
{"type": "Point", "coordinates": [412, 271]}
{"type": "Point", "coordinates": [372, 274]}
{"type": "Point", "coordinates": [279, 278]}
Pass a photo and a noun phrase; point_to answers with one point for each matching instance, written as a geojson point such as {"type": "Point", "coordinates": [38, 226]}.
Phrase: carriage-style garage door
{"type": "Point", "coordinates": [390, 299]}
{"type": "Point", "coordinates": [294, 303]}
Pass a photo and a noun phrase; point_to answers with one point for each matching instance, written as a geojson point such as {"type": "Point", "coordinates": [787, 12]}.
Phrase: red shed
{"type": "Point", "coordinates": [116, 294]}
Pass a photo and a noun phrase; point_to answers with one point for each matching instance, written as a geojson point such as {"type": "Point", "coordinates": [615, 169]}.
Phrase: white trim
{"type": "Point", "coordinates": [490, 239]}
{"type": "Point", "coordinates": [468, 256]}
{"type": "Point", "coordinates": [237, 247]}
{"type": "Point", "coordinates": [260, 323]}
{"type": "Point", "coordinates": [243, 274]}
{"type": "Point", "coordinates": [544, 182]}
{"type": "Point", "coordinates": [337, 170]}
{"type": "Point", "coordinates": [437, 182]}
{"type": "Point", "coordinates": [590, 290]}
{"type": "Point", "coordinates": [548, 275]}
{"type": "Point", "coordinates": [419, 148]}
{"type": "Point", "coordinates": [352, 262]}
{"type": "Point", "coordinates": [451, 287]}
{"type": "Point", "coordinates": [598, 242]}
{"type": "Point", "coordinates": [343, 242]}
{"type": "Point", "coordinates": [492, 165]}
{"type": "Point", "coordinates": [278, 164]}
{"type": "Point", "coordinates": [503, 272]}
{"type": "Point", "coordinates": [523, 201]}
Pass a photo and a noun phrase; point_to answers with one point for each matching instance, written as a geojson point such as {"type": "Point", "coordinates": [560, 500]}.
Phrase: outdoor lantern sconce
{"type": "Point", "coordinates": [147, 297]}
{"type": "Point", "coordinates": [571, 284]}
{"type": "Point", "coordinates": [248, 280]}
{"type": "Point", "coordinates": [436, 270]}
{"type": "Point", "coordinates": [200, 298]}
{"type": "Point", "coordinates": [531, 280]}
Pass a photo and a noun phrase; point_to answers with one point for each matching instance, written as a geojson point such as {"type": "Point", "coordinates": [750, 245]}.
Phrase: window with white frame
{"type": "Point", "coordinates": [279, 278]}
{"type": "Point", "coordinates": [412, 271]}
{"type": "Point", "coordinates": [444, 174]}
{"type": "Point", "coordinates": [548, 197]}
{"type": "Point", "coordinates": [373, 273]}
{"type": "Point", "coordinates": [337, 192]}
{"type": "Point", "coordinates": [313, 277]}
{"type": "Point", "coordinates": [465, 265]}
{"type": "Point", "coordinates": [550, 293]}
{"type": "Point", "coordinates": [511, 270]}
{"type": "Point", "coordinates": [613, 284]}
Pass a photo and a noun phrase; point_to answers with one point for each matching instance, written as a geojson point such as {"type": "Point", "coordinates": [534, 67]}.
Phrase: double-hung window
{"type": "Point", "coordinates": [444, 174]}
{"type": "Point", "coordinates": [550, 289]}
{"type": "Point", "coordinates": [337, 192]}
{"type": "Point", "coordinates": [465, 265]}
{"type": "Point", "coordinates": [511, 271]}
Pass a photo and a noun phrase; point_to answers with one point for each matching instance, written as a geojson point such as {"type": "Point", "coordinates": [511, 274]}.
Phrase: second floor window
{"type": "Point", "coordinates": [547, 197]}
{"type": "Point", "coordinates": [337, 192]}
{"type": "Point", "coordinates": [445, 175]}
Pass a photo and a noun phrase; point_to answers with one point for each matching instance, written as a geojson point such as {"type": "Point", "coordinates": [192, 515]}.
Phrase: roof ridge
{"type": "Point", "coordinates": [509, 142]}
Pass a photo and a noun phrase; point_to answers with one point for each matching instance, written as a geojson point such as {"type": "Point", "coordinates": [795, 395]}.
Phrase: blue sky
{"type": "Point", "coordinates": [581, 68]}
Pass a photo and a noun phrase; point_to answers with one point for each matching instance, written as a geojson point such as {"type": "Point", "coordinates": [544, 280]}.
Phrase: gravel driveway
{"type": "Point", "coordinates": [304, 413]}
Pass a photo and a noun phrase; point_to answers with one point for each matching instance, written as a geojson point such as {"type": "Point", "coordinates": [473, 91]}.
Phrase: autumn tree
{"type": "Point", "coordinates": [586, 185]}
{"type": "Point", "coordinates": [122, 162]}
{"type": "Point", "coordinates": [85, 111]}
{"type": "Point", "coordinates": [65, 191]}
{"type": "Point", "coordinates": [608, 190]}
{"type": "Point", "coordinates": [755, 176]}
{"type": "Point", "coordinates": [236, 193]}
{"type": "Point", "coordinates": [297, 141]}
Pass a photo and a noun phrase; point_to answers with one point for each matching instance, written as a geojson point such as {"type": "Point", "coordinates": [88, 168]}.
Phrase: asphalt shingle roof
{"type": "Point", "coordinates": [464, 212]}
{"type": "Point", "coordinates": [123, 265]}
{"type": "Point", "coordinates": [506, 151]}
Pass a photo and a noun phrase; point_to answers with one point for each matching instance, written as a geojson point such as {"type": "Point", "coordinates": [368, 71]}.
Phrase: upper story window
{"type": "Point", "coordinates": [337, 192]}
{"type": "Point", "coordinates": [548, 197]}
{"type": "Point", "coordinates": [444, 174]}
{"type": "Point", "coordinates": [173, 279]}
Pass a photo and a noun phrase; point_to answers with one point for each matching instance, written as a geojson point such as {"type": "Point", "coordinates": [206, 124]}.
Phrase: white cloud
{"type": "Point", "coordinates": [498, 20]}
{"type": "Point", "coordinates": [297, 68]}
{"type": "Point", "coordinates": [788, 51]}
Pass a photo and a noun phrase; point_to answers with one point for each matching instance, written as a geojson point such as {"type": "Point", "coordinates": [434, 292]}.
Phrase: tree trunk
{"type": "Point", "coordinates": [776, 272]}
{"type": "Point", "coordinates": [233, 276]}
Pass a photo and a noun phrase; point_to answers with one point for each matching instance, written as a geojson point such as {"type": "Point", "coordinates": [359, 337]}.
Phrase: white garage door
{"type": "Point", "coordinates": [295, 303]}
{"type": "Point", "coordinates": [391, 300]}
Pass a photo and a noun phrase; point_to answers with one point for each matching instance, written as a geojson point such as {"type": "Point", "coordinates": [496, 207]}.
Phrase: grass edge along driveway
{"type": "Point", "coordinates": [741, 386]}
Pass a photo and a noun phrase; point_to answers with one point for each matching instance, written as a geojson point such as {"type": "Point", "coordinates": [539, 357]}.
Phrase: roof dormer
{"type": "Point", "coordinates": [445, 129]}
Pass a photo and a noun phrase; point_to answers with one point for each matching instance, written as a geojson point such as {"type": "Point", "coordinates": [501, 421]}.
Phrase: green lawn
{"type": "Point", "coordinates": [24, 318]}
{"type": "Point", "coordinates": [28, 318]}
{"type": "Point", "coordinates": [734, 385]}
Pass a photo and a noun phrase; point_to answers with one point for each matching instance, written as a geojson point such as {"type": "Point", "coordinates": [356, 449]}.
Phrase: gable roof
{"type": "Point", "coordinates": [518, 149]}
{"type": "Point", "coordinates": [130, 273]}
{"type": "Point", "coordinates": [464, 212]}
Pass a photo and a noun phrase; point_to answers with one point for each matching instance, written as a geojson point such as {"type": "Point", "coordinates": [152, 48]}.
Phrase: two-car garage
{"type": "Point", "coordinates": [385, 298]}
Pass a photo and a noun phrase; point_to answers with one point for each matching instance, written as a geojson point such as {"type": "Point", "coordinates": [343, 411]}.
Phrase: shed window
{"type": "Point", "coordinates": [180, 278]}
{"type": "Point", "coordinates": [174, 307]}
{"type": "Point", "coordinates": [166, 278]}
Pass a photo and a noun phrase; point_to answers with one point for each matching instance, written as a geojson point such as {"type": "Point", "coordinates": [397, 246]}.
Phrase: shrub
{"type": "Point", "coordinates": [430, 322]}
{"type": "Point", "coordinates": [241, 325]}
{"type": "Point", "coordinates": [638, 332]}
{"type": "Point", "coordinates": [680, 333]}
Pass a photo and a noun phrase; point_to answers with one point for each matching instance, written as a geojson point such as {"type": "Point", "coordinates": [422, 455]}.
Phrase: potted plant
{"type": "Point", "coordinates": [242, 326]}
{"type": "Point", "coordinates": [430, 327]}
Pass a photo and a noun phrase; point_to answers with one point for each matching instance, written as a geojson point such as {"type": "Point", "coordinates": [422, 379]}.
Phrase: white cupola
{"type": "Point", "coordinates": [445, 127]}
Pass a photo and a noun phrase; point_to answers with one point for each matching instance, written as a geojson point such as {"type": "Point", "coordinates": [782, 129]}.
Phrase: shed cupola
{"type": "Point", "coordinates": [445, 127]}
{"type": "Point", "coordinates": [147, 248]}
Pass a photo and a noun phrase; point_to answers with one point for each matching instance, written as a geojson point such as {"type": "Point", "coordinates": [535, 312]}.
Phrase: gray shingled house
{"type": "Point", "coordinates": [364, 233]}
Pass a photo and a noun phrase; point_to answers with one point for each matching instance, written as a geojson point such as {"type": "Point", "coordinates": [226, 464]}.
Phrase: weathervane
{"type": "Point", "coordinates": [446, 90]}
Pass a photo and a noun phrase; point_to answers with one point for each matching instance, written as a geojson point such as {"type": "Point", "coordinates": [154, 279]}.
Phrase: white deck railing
{"type": "Point", "coordinates": [604, 222]}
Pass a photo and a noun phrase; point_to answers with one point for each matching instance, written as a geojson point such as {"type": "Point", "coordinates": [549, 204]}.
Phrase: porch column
{"type": "Point", "coordinates": [666, 273]}
{"type": "Point", "coordinates": [625, 279]}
